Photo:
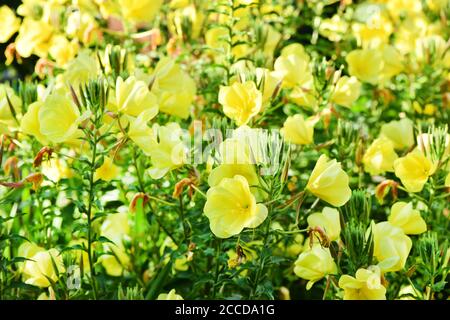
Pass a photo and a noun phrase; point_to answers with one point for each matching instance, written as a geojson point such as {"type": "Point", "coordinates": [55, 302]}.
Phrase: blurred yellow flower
{"type": "Point", "coordinates": [329, 182]}
{"type": "Point", "coordinates": [400, 132]}
{"type": "Point", "coordinates": [107, 171]}
{"type": "Point", "coordinates": [174, 88]}
{"type": "Point", "coordinates": [379, 157]}
{"type": "Point", "coordinates": [346, 91]}
{"type": "Point", "coordinates": [133, 98]}
{"type": "Point", "coordinates": [408, 219]}
{"type": "Point", "coordinates": [231, 207]}
{"type": "Point", "coordinates": [166, 149]}
{"type": "Point", "coordinates": [80, 70]}
{"type": "Point", "coordinates": [414, 170]}
{"type": "Point", "coordinates": [62, 50]}
{"type": "Point", "coordinates": [298, 130]}
{"type": "Point", "coordinates": [366, 285]}
{"type": "Point", "coordinates": [328, 220]}
{"type": "Point", "coordinates": [391, 246]}
{"type": "Point", "coordinates": [9, 23]}
{"type": "Point", "coordinates": [39, 268]}
{"type": "Point", "coordinates": [29, 123]}
{"type": "Point", "coordinates": [374, 32]}
{"type": "Point", "coordinates": [268, 82]}
{"type": "Point", "coordinates": [33, 38]}
{"type": "Point", "coordinates": [140, 10]}
{"type": "Point", "coordinates": [293, 67]}
{"type": "Point", "coordinates": [240, 101]}
{"type": "Point", "coordinates": [365, 64]}
{"type": "Point", "coordinates": [59, 118]}
{"type": "Point", "coordinates": [333, 28]}
{"type": "Point", "coordinates": [172, 295]}
{"type": "Point", "coordinates": [314, 264]}
{"type": "Point", "coordinates": [6, 117]}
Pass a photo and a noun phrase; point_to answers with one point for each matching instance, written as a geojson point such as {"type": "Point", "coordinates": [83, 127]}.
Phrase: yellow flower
{"type": "Point", "coordinates": [166, 149]}
{"type": "Point", "coordinates": [107, 171]}
{"type": "Point", "coordinates": [62, 50]}
{"type": "Point", "coordinates": [314, 264]}
{"type": "Point", "coordinates": [414, 170]}
{"type": "Point", "coordinates": [346, 92]}
{"type": "Point", "coordinates": [115, 228]}
{"type": "Point", "coordinates": [392, 63]}
{"type": "Point", "coordinates": [329, 182]}
{"type": "Point", "coordinates": [80, 70]}
{"type": "Point", "coordinates": [174, 88]}
{"type": "Point", "coordinates": [231, 207]}
{"type": "Point", "coordinates": [269, 81]}
{"type": "Point", "coordinates": [34, 37]}
{"type": "Point", "coordinates": [293, 67]}
{"type": "Point", "coordinates": [172, 295]}
{"type": "Point", "coordinates": [230, 170]}
{"type": "Point", "coordinates": [140, 10]}
{"type": "Point", "coordinates": [298, 130]}
{"type": "Point", "coordinates": [391, 246]}
{"type": "Point", "coordinates": [365, 286]}
{"type": "Point", "coordinates": [83, 27]}
{"type": "Point", "coordinates": [365, 64]}
{"type": "Point", "coordinates": [29, 123]}
{"type": "Point", "coordinates": [240, 101]}
{"type": "Point", "coordinates": [374, 32]}
{"type": "Point", "coordinates": [133, 98]}
{"type": "Point", "coordinates": [328, 220]}
{"type": "Point", "coordinates": [380, 157]}
{"type": "Point", "coordinates": [140, 132]}
{"type": "Point", "coordinates": [399, 132]}
{"type": "Point", "coordinates": [59, 118]}
{"type": "Point", "coordinates": [333, 28]}
{"type": "Point", "coordinates": [9, 23]}
{"type": "Point", "coordinates": [56, 169]}
{"type": "Point", "coordinates": [405, 217]}
{"type": "Point", "coordinates": [39, 268]}
{"type": "Point", "coordinates": [6, 117]}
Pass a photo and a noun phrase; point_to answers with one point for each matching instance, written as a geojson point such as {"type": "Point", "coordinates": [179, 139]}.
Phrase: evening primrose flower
{"type": "Point", "coordinates": [392, 63]}
{"type": "Point", "coordinates": [366, 285]}
{"type": "Point", "coordinates": [379, 157]}
{"type": "Point", "coordinates": [115, 228]}
{"type": "Point", "coordinates": [329, 182]}
{"type": "Point", "coordinates": [333, 28]}
{"type": "Point", "coordinates": [408, 219]}
{"type": "Point", "coordinates": [172, 295]}
{"type": "Point", "coordinates": [139, 10]}
{"type": "Point", "coordinates": [328, 220]}
{"type": "Point", "coordinates": [40, 268]}
{"type": "Point", "coordinates": [298, 130]}
{"type": "Point", "coordinates": [391, 246]}
{"type": "Point", "coordinates": [293, 67]}
{"type": "Point", "coordinates": [314, 264]}
{"type": "Point", "coordinates": [33, 38]}
{"type": "Point", "coordinates": [248, 171]}
{"type": "Point", "coordinates": [9, 23]}
{"type": "Point", "coordinates": [80, 70]}
{"type": "Point", "coordinates": [133, 97]}
{"type": "Point", "coordinates": [414, 170]}
{"type": "Point", "coordinates": [365, 64]}
{"type": "Point", "coordinates": [400, 132]}
{"type": "Point", "coordinates": [59, 118]}
{"type": "Point", "coordinates": [231, 207]}
{"type": "Point", "coordinates": [107, 171]}
{"type": "Point", "coordinates": [166, 149]}
{"type": "Point", "coordinates": [240, 101]}
{"type": "Point", "coordinates": [62, 50]}
{"type": "Point", "coordinates": [269, 81]}
{"type": "Point", "coordinates": [173, 87]}
{"type": "Point", "coordinates": [346, 91]}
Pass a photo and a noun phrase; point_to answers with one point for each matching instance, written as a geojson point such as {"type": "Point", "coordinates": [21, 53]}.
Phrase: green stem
{"type": "Point", "coordinates": [216, 274]}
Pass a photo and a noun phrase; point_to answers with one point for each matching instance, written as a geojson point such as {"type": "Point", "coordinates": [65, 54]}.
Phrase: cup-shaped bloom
{"type": "Point", "coordinates": [379, 157]}
{"type": "Point", "coordinates": [133, 97]}
{"type": "Point", "coordinates": [404, 216]}
{"type": "Point", "coordinates": [329, 182]}
{"type": "Point", "coordinates": [328, 220]}
{"type": "Point", "coordinates": [294, 69]}
{"type": "Point", "coordinates": [240, 101]}
{"type": "Point", "coordinates": [400, 132]}
{"type": "Point", "coordinates": [81, 69]}
{"type": "Point", "coordinates": [166, 149]}
{"type": "Point", "coordinates": [366, 285]}
{"type": "Point", "coordinates": [314, 264]}
{"type": "Point", "coordinates": [59, 118]}
{"type": "Point", "coordinates": [140, 10]}
{"type": "Point", "coordinates": [365, 64]}
{"type": "Point", "coordinates": [391, 246]}
{"type": "Point", "coordinates": [231, 207]}
{"type": "Point", "coordinates": [346, 91]}
{"type": "Point", "coordinates": [40, 268]}
{"type": "Point", "coordinates": [414, 170]}
{"type": "Point", "coordinates": [299, 130]}
{"type": "Point", "coordinates": [174, 88]}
